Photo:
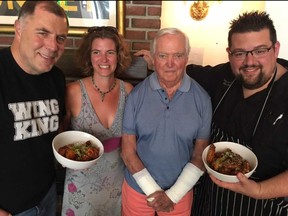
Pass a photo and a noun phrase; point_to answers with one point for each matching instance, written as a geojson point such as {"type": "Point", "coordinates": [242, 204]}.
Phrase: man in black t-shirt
{"type": "Point", "coordinates": [32, 99]}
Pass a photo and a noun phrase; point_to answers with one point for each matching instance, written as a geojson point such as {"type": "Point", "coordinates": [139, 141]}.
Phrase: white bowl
{"type": "Point", "coordinates": [69, 137]}
{"type": "Point", "coordinates": [243, 151]}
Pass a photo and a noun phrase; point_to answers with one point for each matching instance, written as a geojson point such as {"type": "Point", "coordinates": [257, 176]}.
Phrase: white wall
{"type": "Point", "coordinates": [278, 12]}
{"type": "Point", "coordinates": [208, 37]}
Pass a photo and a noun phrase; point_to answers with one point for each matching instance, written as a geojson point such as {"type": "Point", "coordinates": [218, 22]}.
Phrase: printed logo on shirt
{"type": "Point", "coordinates": [34, 118]}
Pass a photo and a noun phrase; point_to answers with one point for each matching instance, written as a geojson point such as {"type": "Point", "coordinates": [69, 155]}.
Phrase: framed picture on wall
{"type": "Point", "coordinates": [81, 15]}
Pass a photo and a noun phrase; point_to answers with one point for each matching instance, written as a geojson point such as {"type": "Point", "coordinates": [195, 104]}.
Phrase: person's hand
{"type": "Point", "coordinates": [245, 186]}
{"type": "Point", "coordinates": [160, 202]}
{"type": "Point", "coordinates": [4, 213]}
{"type": "Point", "coordinates": [147, 56]}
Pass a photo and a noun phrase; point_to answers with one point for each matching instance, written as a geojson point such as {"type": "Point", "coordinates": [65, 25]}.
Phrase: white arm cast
{"type": "Point", "coordinates": [146, 182]}
{"type": "Point", "coordinates": [187, 179]}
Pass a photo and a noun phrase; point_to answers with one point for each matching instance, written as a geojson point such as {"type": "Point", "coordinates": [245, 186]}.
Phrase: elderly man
{"type": "Point", "coordinates": [165, 129]}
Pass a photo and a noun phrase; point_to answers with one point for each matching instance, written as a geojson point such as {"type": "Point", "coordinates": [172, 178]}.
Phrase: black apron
{"type": "Point", "coordinates": [211, 200]}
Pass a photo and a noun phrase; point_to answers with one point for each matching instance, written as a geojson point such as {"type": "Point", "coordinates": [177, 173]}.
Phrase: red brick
{"type": "Point", "coordinates": [142, 21]}
{"type": "Point", "coordinates": [6, 40]}
{"type": "Point", "coordinates": [151, 35]}
{"type": "Point", "coordinates": [136, 35]}
{"type": "Point", "coordinates": [69, 42]}
{"type": "Point", "coordinates": [77, 42]}
{"type": "Point", "coordinates": [141, 45]}
{"type": "Point", "coordinates": [127, 22]}
{"type": "Point", "coordinates": [154, 11]}
{"type": "Point", "coordinates": [146, 23]}
{"type": "Point", "coordinates": [135, 10]}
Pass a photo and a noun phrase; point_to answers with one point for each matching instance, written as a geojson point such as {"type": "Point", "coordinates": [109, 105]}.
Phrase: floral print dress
{"type": "Point", "coordinates": [96, 191]}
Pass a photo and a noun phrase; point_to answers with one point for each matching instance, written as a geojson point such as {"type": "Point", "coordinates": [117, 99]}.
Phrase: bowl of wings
{"type": "Point", "coordinates": [76, 149]}
{"type": "Point", "coordinates": [225, 159]}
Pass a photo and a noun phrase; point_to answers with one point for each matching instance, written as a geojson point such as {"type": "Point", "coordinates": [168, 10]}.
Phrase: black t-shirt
{"type": "Point", "coordinates": [31, 108]}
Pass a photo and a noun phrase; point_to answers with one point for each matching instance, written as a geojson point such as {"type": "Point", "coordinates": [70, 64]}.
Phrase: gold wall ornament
{"type": "Point", "coordinates": [199, 10]}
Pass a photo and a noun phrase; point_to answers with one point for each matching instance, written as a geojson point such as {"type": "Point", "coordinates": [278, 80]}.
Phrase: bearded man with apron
{"type": "Point", "coordinates": [254, 114]}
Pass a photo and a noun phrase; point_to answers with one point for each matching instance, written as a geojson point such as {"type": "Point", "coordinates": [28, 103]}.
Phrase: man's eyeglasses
{"type": "Point", "coordinates": [257, 53]}
{"type": "Point", "coordinates": [101, 28]}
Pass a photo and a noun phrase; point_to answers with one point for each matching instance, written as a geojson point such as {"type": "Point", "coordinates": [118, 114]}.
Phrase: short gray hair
{"type": "Point", "coordinates": [173, 31]}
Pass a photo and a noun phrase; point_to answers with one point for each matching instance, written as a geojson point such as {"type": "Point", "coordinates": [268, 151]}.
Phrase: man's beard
{"type": "Point", "coordinates": [258, 82]}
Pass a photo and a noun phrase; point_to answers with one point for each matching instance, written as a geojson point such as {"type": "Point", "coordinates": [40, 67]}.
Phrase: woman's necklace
{"type": "Point", "coordinates": [100, 91]}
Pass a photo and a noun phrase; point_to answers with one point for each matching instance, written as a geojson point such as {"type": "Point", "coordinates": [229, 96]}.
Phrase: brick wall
{"type": "Point", "coordinates": [142, 21]}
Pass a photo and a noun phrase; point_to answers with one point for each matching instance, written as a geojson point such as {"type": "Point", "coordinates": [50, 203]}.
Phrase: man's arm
{"type": "Point", "coordinates": [129, 154]}
{"type": "Point", "coordinates": [199, 147]}
{"type": "Point", "coordinates": [135, 165]}
{"type": "Point", "coordinates": [157, 198]}
{"type": "Point", "coordinates": [190, 173]}
{"type": "Point", "coordinates": [274, 187]}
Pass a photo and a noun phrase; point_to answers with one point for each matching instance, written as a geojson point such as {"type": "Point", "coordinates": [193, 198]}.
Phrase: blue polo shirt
{"type": "Point", "coordinates": [166, 129]}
